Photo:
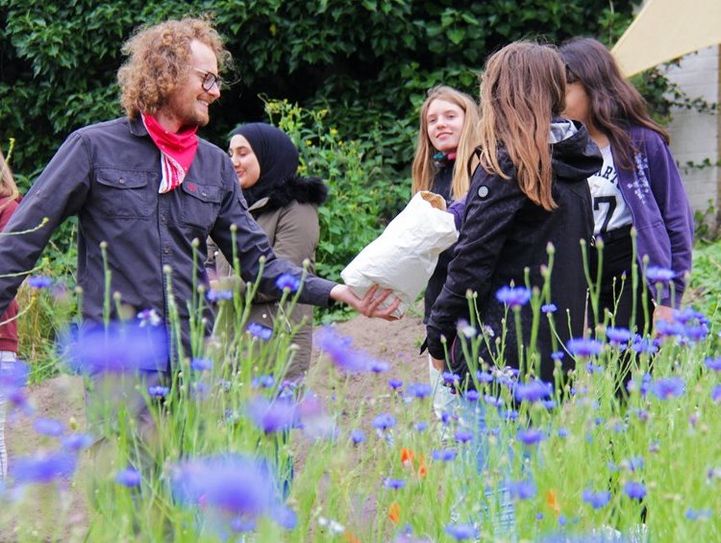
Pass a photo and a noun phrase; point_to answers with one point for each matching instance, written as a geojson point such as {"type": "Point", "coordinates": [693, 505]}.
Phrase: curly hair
{"type": "Point", "coordinates": [159, 59]}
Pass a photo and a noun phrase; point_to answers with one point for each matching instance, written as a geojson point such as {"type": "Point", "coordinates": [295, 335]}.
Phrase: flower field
{"type": "Point", "coordinates": [225, 451]}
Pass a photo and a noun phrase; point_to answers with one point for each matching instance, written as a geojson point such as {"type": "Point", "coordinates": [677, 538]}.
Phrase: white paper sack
{"type": "Point", "coordinates": [404, 256]}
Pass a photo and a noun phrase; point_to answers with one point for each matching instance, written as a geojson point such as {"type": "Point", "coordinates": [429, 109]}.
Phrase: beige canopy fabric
{"type": "Point", "coordinates": [667, 29]}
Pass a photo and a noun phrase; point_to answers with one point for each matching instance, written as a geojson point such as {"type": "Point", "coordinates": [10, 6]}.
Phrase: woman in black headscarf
{"type": "Point", "coordinates": [285, 205]}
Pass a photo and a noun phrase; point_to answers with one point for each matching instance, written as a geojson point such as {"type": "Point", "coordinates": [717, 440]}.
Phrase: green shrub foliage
{"type": "Point", "coordinates": [370, 61]}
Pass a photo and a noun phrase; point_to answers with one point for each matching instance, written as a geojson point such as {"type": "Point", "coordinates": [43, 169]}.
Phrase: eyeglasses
{"type": "Point", "coordinates": [209, 79]}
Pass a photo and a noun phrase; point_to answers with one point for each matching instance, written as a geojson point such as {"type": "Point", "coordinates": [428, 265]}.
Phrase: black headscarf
{"type": "Point", "coordinates": [276, 154]}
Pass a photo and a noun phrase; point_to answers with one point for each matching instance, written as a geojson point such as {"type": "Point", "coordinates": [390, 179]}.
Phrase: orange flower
{"type": "Point", "coordinates": [394, 513]}
{"type": "Point", "coordinates": [552, 501]}
{"type": "Point", "coordinates": [406, 456]}
{"type": "Point", "coordinates": [350, 537]}
{"type": "Point", "coordinates": [422, 469]}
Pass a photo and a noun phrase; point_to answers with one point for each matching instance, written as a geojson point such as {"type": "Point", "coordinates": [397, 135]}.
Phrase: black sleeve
{"type": "Point", "coordinates": [491, 208]}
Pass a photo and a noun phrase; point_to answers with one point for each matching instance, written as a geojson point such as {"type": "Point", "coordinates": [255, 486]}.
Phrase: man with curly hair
{"type": "Point", "coordinates": [148, 192]}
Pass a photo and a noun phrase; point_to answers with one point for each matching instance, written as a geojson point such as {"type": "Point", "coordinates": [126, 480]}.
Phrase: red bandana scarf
{"type": "Point", "coordinates": [177, 152]}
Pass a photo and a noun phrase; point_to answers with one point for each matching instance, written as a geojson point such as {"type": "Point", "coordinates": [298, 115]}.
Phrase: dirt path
{"type": "Point", "coordinates": [396, 342]}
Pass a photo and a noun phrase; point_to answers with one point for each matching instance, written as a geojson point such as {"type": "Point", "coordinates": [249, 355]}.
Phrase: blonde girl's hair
{"type": "Point", "coordinates": [522, 88]}
{"type": "Point", "coordinates": [423, 170]}
{"type": "Point", "coordinates": [8, 188]}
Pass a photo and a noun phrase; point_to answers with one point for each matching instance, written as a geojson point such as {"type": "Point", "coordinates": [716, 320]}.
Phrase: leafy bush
{"type": "Point", "coordinates": [370, 61]}
{"type": "Point", "coordinates": [362, 191]}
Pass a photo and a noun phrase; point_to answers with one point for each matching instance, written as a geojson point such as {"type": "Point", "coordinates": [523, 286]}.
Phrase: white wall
{"type": "Point", "coordinates": [694, 135]}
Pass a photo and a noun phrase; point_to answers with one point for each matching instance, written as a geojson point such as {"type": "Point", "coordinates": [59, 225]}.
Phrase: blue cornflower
{"type": "Point", "coordinates": [667, 387]}
{"type": "Point", "coordinates": [122, 347]}
{"type": "Point", "coordinates": [287, 281]}
{"type": "Point", "coordinates": [450, 378]}
{"type": "Point", "coordinates": [634, 490]}
{"type": "Point", "coordinates": [77, 442]}
{"type": "Point", "coordinates": [689, 314]}
{"type": "Point", "coordinates": [272, 416]}
{"type": "Point", "coordinates": [149, 317]}
{"type": "Point", "coordinates": [713, 363]}
{"type": "Point", "coordinates": [237, 486]}
{"type": "Point", "coordinates": [584, 347]}
{"type": "Point", "coordinates": [493, 401]}
{"type": "Point", "coordinates": [158, 391]}
{"type": "Point", "coordinates": [419, 390]}
{"type": "Point", "coordinates": [716, 393]}
{"type": "Point", "coordinates": [395, 484]}
{"type": "Point", "coordinates": [463, 436]}
{"type": "Point", "coordinates": [700, 514]}
{"type": "Point", "coordinates": [444, 455]}
{"type": "Point", "coordinates": [13, 376]}
{"type": "Point", "coordinates": [461, 532]}
{"type": "Point", "coordinates": [129, 477]}
{"type": "Point", "coordinates": [562, 433]}
{"type": "Point", "coordinates": [549, 308]}
{"type": "Point", "coordinates": [214, 296]}
{"type": "Point", "coordinates": [378, 366]}
{"type": "Point", "coordinates": [557, 355]}
{"type": "Point", "coordinates": [471, 395]}
{"type": "Point", "coordinates": [484, 377]}
{"type": "Point", "coordinates": [201, 364]}
{"type": "Point", "coordinates": [530, 436]}
{"type": "Point", "coordinates": [513, 297]}
{"type": "Point", "coordinates": [633, 464]}
{"type": "Point", "coordinates": [421, 426]}
{"type": "Point", "coordinates": [593, 368]}
{"type": "Point", "coordinates": [39, 281]}
{"type": "Point", "coordinates": [657, 274]}
{"type": "Point", "coordinates": [48, 427]}
{"type": "Point", "coordinates": [669, 329]}
{"type": "Point", "coordinates": [522, 490]}
{"type": "Point", "coordinates": [259, 331]}
{"type": "Point", "coordinates": [618, 336]}
{"type": "Point", "coordinates": [695, 332]}
{"type": "Point", "coordinates": [644, 345]}
{"type": "Point", "coordinates": [549, 404]}
{"type": "Point", "coordinates": [340, 350]}
{"type": "Point", "coordinates": [43, 468]}
{"type": "Point", "coordinates": [262, 381]}
{"type": "Point", "coordinates": [395, 384]}
{"type": "Point", "coordinates": [533, 391]}
{"type": "Point", "coordinates": [357, 436]}
{"type": "Point", "coordinates": [384, 421]}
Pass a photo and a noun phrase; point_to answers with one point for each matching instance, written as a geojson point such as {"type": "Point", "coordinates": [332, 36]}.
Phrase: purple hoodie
{"type": "Point", "coordinates": [661, 214]}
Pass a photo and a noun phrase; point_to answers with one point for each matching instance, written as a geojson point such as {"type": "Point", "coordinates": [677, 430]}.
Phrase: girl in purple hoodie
{"type": "Point", "coordinates": [638, 186]}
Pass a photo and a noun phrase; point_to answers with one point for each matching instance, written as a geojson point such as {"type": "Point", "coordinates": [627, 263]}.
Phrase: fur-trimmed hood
{"type": "Point", "coordinates": [304, 190]}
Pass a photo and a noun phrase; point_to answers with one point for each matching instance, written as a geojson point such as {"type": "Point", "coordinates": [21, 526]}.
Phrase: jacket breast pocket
{"type": "Point", "coordinates": [123, 194]}
{"type": "Point", "coordinates": [201, 205]}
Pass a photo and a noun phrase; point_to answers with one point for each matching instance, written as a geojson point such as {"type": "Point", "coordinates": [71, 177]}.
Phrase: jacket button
{"type": "Point", "coordinates": [204, 193]}
{"type": "Point", "coordinates": [166, 250]}
{"type": "Point", "coordinates": [163, 219]}
{"type": "Point", "coordinates": [121, 181]}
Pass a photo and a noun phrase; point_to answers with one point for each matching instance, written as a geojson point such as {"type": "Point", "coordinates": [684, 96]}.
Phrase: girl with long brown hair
{"type": "Point", "coordinates": [447, 135]}
{"type": "Point", "coordinates": [529, 191]}
{"type": "Point", "coordinates": [638, 186]}
{"type": "Point", "coordinates": [8, 327]}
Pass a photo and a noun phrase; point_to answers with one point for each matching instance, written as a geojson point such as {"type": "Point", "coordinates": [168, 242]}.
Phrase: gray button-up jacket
{"type": "Point", "coordinates": [108, 175]}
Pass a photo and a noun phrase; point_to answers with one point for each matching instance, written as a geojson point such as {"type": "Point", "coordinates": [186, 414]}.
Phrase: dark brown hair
{"type": "Point", "coordinates": [522, 88]}
{"type": "Point", "coordinates": [614, 104]}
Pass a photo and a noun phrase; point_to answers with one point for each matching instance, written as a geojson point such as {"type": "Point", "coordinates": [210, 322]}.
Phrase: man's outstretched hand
{"type": "Point", "coordinates": [370, 304]}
